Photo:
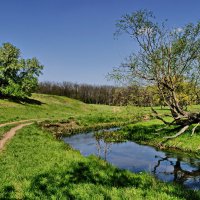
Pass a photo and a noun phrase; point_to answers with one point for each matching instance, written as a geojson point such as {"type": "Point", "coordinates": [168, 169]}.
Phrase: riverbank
{"type": "Point", "coordinates": [152, 133]}
{"type": "Point", "coordinates": [37, 166]}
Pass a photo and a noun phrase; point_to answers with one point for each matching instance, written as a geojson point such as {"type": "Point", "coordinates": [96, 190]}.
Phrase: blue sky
{"type": "Point", "coordinates": [74, 40]}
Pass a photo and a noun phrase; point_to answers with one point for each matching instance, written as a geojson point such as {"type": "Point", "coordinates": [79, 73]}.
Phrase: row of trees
{"type": "Point", "coordinates": [111, 95]}
{"type": "Point", "coordinates": [84, 92]}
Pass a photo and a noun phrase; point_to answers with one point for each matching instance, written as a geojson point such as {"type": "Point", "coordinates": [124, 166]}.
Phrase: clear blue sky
{"type": "Point", "coordinates": [73, 39]}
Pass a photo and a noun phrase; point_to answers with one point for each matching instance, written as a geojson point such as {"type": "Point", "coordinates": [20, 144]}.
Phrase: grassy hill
{"type": "Point", "coordinates": [57, 108]}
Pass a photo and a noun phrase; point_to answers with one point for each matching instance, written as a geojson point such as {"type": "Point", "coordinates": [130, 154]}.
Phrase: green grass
{"type": "Point", "coordinates": [36, 166]}
{"type": "Point", "coordinates": [146, 133]}
{"type": "Point", "coordinates": [58, 108]}
{"type": "Point", "coordinates": [52, 107]}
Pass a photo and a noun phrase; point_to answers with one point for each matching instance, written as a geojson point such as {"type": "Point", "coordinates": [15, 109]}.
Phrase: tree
{"type": "Point", "coordinates": [166, 58]}
{"type": "Point", "coordinates": [18, 76]}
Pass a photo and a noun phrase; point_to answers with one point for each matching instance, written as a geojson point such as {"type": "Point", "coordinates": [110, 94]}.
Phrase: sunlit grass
{"type": "Point", "coordinates": [58, 108]}
{"type": "Point", "coordinates": [149, 133]}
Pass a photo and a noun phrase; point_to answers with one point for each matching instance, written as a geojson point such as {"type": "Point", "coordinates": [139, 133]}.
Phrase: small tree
{"type": "Point", "coordinates": [18, 77]}
{"type": "Point", "coordinates": [166, 57]}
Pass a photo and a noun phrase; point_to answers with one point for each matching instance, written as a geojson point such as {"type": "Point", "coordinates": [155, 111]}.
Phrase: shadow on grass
{"type": "Point", "coordinates": [101, 177]}
{"type": "Point", "coordinates": [143, 133]}
{"type": "Point", "coordinates": [147, 133]}
{"type": "Point", "coordinates": [22, 100]}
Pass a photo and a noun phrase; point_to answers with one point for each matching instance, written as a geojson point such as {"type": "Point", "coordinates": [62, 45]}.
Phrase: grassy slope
{"type": "Point", "coordinates": [35, 165]}
{"type": "Point", "coordinates": [56, 108]}
{"type": "Point", "coordinates": [52, 107]}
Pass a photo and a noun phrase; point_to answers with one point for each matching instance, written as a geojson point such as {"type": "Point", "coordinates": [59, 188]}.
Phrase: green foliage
{"type": "Point", "coordinates": [18, 76]}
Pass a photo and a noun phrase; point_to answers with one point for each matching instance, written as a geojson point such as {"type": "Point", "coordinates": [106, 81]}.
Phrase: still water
{"type": "Point", "coordinates": [166, 166]}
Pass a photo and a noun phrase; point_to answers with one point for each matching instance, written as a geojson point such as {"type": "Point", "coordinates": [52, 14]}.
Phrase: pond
{"type": "Point", "coordinates": [166, 166]}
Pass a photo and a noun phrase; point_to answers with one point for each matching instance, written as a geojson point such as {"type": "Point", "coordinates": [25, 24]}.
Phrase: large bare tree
{"type": "Point", "coordinates": [166, 58]}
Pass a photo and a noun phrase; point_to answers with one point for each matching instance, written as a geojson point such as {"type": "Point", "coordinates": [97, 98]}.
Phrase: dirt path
{"type": "Point", "coordinates": [16, 122]}
{"type": "Point", "coordinates": [22, 121]}
{"type": "Point", "coordinates": [7, 136]}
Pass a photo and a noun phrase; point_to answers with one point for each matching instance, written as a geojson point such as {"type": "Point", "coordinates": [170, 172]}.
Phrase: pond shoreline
{"type": "Point", "coordinates": [60, 129]}
{"type": "Point", "coordinates": [63, 129]}
{"type": "Point", "coordinates": [145, 133]}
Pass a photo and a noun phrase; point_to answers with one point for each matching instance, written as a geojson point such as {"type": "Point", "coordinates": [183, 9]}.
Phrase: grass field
{"type": "Point", "coordinates": [35, 165]}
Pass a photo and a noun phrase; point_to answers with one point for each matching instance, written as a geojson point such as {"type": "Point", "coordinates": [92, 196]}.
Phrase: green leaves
{"type": "Point", "coordinates": [18, 76]}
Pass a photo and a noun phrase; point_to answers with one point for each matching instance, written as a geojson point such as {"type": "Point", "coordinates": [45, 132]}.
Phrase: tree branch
{"type": "Point", "coordinates": [158, 117]}
{"type": "Point", "coordinates": [179, 133]}
{"type": "Point", "coordinates": [193, 130]}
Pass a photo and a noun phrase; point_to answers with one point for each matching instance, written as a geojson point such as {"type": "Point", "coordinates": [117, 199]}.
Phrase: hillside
{"type": "Point", "coordinates": [53, 107]}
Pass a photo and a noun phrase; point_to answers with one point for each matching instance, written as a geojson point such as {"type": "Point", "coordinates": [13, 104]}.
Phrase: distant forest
{"type": "Point", "coordinates": [112, 95]}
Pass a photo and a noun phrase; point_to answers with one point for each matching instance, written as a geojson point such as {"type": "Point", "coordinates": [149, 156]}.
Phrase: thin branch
{"type": "Point", "coordinates": [158, 117]}
{"type": "Point", "coordinates": [193, 130]}
{"type": "Point", "coordinates": [179, 133]}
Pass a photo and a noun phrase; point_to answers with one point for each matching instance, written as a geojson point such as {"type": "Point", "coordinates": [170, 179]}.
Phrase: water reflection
{"type": "Point", "coordinates": [167, 166]}
{"type": "Point", "coordinates": [180, 174]}
{"type": "Point", "coordinates": [103, 148]}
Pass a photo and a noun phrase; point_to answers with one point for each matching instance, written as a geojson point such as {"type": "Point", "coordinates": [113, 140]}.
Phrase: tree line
{"type": "Point", "coordinates": [113, 95]}
{"type": "Point", "coordinates": [97, 94]}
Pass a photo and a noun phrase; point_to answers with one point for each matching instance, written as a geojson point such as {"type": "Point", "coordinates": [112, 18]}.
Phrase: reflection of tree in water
{"type": "Point", "coordinates": [180, 175]}
{"type": "Point", "coordinates": [103, 146]}
{"type": "Point", "coordinates": [103, 142]}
